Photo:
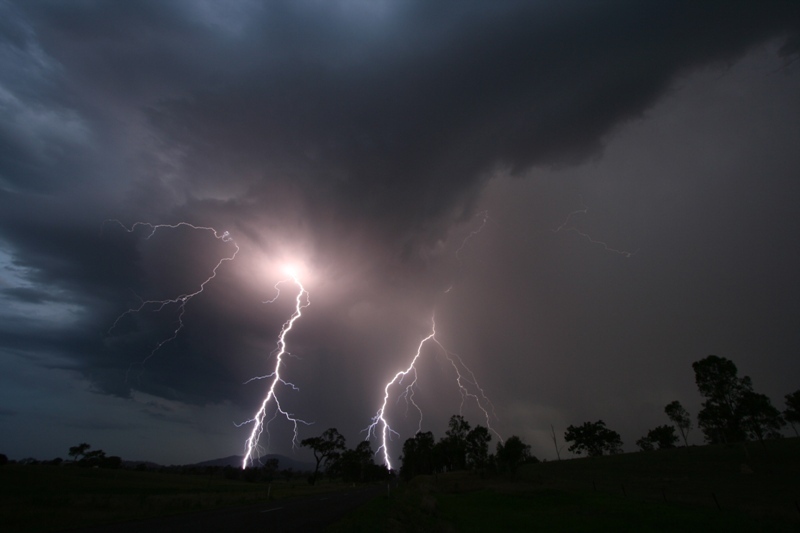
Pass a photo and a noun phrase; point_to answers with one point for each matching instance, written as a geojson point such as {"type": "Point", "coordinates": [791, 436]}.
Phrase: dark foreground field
{"type": "Point", "coordinates": [710, 488]}
{"type": "Point", "coordinates": [60, 498]}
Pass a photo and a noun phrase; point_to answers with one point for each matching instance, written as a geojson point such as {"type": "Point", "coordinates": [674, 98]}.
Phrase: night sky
{"type": "Point", "coordinates": [609, 190]}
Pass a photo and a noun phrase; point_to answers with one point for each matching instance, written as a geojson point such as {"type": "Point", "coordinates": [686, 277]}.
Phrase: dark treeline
{"type": "Point", "coordinates": [82, 456]}
{"type": "Point", "coordinates": [462, 448]}
{"type": "Point", "coordinates": [350, 465]}
{"type": "Point", "coordinates": [262, 473]}
{"type": "Point", "coordinates": [731, 412]}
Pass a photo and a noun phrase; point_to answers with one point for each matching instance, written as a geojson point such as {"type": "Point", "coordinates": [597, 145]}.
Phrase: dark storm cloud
{"type": "Point", "coordinates": [364, 130]}
{"type": "Point", "coordinates": [405, 131]}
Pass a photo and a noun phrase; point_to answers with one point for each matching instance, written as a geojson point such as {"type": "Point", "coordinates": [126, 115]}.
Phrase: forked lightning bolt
{"type": "Point", "coordinates": [259, 421]}
{"type": "Point", "coordinates": [182, 299]}
{"type": "Point", "coordinates": [380, 427]}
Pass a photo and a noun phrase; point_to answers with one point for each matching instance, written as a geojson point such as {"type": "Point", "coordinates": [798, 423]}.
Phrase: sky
{"type": "Point", "coordinates": [586, 197]}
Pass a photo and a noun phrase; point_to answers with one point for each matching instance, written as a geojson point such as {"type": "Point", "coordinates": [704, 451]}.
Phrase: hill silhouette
{"type": "Point", "coordinates": [283, 462]}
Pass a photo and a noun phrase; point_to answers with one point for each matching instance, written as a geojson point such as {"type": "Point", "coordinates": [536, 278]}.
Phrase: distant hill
{"type": "Point", "coordinates": [283, 462]}
{"type": "Point", "coordinates": [141, 464]}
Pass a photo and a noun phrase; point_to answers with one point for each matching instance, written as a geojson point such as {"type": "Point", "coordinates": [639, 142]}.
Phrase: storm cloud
{"type": "Point", "coordinates": [365, 140]}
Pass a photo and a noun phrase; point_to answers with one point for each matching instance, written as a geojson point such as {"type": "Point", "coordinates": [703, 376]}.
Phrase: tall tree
{"type": "Point", "coordinates": [680, 417]}
{"type": "Point", "coordinates": [594, 438]}
{"type": "Point", "coordinates": [454, 443]}
{"type": "Point", "coordinates": [792, 412]}
{"type": "Point", "coordinates": [760, 419]}
{"type": "Point", "coordinates": [326, 447]}
{"type": "Point", "coordinates": [417, 455]}
{"type": "Point", "coordinates": [511, 453]}
{"type": "Point", "coordinates": [478, 440]}
{"type": "Point", "coordinates": [719, 383]}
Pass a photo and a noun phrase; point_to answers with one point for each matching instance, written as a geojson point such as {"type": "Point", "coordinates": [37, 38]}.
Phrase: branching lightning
{"type": "Point", "coordinates": [465, 379]}
{"type": "Point", "coordinates": [380, 427]}
{"type": "Point", "coordinates": [566, 227]}
{"type": "Point", "coordinates": [182, 299]}
{"type": "Point", "coordinates": [259, 420]}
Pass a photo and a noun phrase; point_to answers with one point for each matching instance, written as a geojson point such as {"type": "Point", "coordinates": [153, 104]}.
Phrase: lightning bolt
{"type": "Point", "coordinates": [469, 388]}
{"type": "Point", "coordinates": [182, 299]}
{"type": "Point", "coordinates": [259, 420]}
{"type": "Point", "coordinates": [485, 218]}
{"type": "Point", "coordinates": [565, 227]}
{"type": "Point", "coordinates": [465, 379]}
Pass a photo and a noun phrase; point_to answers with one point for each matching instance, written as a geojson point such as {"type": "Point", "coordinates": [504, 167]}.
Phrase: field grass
{"type": "Point", "coordinates": [710, 488]}
{"type": "Point", "coordinates": [57, 498]}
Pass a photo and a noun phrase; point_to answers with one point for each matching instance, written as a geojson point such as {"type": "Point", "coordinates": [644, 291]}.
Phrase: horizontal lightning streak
{"type": "Point", "coordinates": [588, 237]}
{"type": "Point", "coordinates": [182, 299]}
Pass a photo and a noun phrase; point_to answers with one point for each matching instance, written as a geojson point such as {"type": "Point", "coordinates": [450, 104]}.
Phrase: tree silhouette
{"type": "Point", "coordinates": [645, 444]}
{"type": "Point", "coordinates": [454, 444]}
{"type": "Point", "coordinates": [792, 412]}
{"type": "Point", "coordinates": [680, 417]}
{"type": "Point", "coordinates": [326, 447]}
{"type": "Point", "coordinates": [356, 464]}
{"type": "Point", "coordinates": [662, 437]}
{"type": "Point", "coordinates": [417, 455]}
{"type": "Point", "coordinates": [78, 452]}
{"type": "Point", "coordinates": [477, 444]}
{"type": "Point", "coordinates": [759, 417]}
{"type": "Point", "coordinates": [84, 456]}
{"type": "Point", "coordinates": [593, 438]}
{"type": "Point", "coordinates": [512, 453]}
{"type": "Point", "coordinates": [718, 382]}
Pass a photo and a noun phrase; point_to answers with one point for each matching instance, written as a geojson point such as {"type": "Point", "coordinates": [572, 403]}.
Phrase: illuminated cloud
{"type": "Point", "coordinates": [362, 140]}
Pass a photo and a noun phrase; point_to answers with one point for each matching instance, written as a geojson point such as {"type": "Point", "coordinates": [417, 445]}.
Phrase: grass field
{"type": "Point", "coordinates": [711, 488]}
{"type": "Point", "coordinates": [57, 498]}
